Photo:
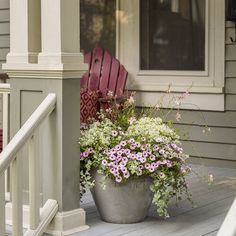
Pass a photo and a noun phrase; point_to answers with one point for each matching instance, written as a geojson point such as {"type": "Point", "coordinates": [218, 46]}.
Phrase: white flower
{"type": "Point", "coordinates": [131, 100]}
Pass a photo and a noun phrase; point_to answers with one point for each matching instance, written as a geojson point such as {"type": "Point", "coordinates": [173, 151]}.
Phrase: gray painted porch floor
{"type": "Point", "coordinates": [213, 202]}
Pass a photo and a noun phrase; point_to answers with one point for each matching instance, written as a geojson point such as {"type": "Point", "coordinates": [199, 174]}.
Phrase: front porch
{"type": "Point", "coordinates": [212, 203]}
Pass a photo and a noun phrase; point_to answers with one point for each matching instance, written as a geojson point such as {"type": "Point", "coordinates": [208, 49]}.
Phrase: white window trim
{"type": "Point", "coordinates": [208, 82]}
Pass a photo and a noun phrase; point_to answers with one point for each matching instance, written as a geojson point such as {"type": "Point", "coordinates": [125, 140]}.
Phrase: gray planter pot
{"type": "Point", "coordinates": [122, 203]}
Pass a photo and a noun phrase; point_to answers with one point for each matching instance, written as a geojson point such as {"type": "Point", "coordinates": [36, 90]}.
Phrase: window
{"type": "Point", "coordinates": [98, 25]}
{"type": "Point", "coordinates": [174, 42]}
{"type": "Point", "coordinates": [172, 35]}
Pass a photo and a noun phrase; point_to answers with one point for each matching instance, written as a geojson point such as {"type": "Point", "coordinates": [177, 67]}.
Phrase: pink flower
{"type": "Point", "coordinates": [114, 133]}
{"type": "Point", "coordinates": [152, 158]}
{"type": "Point", "coordinates": [162, 175]}
{"type": "Point", "coordinates": [151, 169]}
{"type": "Point", "coordinates": [161, 151]}
{"type": "Point", "coordinates": [132, 120]}
{"type": "Point", "coordinates": [132, 146]}
{"type": "Point", "coordinates": [104, 162]}
{"type": "Point", "coordinates": [117, 147]}
{"type": "Point", "coordinates": [127, 175]}
{"type": "Point", "coordinates": [155, 148]}
{"type": "Point", "coordinates": [178, 116]}
{"type": "Point", "coordinates": [131, 140]}
{"type": "Point", "coordinates": [127, 151]}
{"type": "Point", "coordinates": [123, 143]}
{"type": "Point", "coordinates": [118, 179]}
{"type": "Point", "coordinates": [85, 154]}
{"type": "Point", "coordinates": [185, 94]}
{"type": "Point", "coordinates": [110, 93]}
{"type": "Point", "coordinates": [143, 160]}
{"type": "Point", "coordinates": [147, 165]}
{"type": "Point", "coordinates": [139, 172]}
{"type": "Point", "coordinates": [138, 144]}
{"type": "Point", "coordinates": [145, 154]}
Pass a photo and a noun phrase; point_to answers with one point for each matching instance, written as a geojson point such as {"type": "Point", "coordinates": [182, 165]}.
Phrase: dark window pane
{"type": "Point", "coordinates": [172, 35]}
{"type": "Point", "coordinates": [97, 24]}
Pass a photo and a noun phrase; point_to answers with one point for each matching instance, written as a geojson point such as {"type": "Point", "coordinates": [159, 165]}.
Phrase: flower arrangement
{"type": "Point", "coordinates": [124, 144]}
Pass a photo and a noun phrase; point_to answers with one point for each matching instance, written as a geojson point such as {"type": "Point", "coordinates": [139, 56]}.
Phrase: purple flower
{"type": "Point", "coordinates": [147, 145]}
{"type": "Point", "coordinates": [125, 159]}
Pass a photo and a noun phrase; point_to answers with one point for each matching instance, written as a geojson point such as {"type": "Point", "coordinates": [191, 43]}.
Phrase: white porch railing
{"type": "Point", "coordinates": [228, 228]}
{"type": "Point", "coordinates": [39, 220]}
{"type": "Point", "coordinates": [5, 92]}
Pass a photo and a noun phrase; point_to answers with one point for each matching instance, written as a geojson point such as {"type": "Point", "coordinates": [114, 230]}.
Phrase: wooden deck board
{"type": "Point", "coordinates": [212, 202]}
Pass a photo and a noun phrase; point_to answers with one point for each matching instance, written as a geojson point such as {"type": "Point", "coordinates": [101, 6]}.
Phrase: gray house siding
{"type": "Point", "coordinates": [220, 142]}
{"type": "Point", "coordinates": [4, 32]}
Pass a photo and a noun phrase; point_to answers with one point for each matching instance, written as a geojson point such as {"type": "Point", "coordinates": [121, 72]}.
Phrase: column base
{"type": "Point", "coordinates": [64, 223]}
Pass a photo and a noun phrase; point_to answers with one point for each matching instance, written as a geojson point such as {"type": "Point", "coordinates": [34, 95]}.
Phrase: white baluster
{"type": "Point", "coordinates": [5, 117]}
{"type": "Point", "coordinates": [17, 208]}
{"type": "Point", "coordinates": [34, 189]}
{"type": "Point", "coordinates": [2, 205]}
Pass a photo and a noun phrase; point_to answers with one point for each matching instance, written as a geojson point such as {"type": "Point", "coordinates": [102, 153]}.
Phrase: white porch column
{"type": "Point", "coordinates": [25, 31]}
{"type": "Point", "coordinates": [56, 69]}
{"type": "Point", "coordinates": [60, 34]}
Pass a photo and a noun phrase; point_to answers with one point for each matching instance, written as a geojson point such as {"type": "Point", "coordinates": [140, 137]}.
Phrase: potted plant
{"type": "Point", "coordinates": [130, 159]}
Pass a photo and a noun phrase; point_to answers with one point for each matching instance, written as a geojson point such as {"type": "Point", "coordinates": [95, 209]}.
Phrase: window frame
{"type": "Point", "coordinates": [210, 81]}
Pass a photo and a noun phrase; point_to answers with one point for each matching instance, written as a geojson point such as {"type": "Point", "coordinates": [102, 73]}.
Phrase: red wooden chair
{"type": "Point", "coordinates": [105, 74]}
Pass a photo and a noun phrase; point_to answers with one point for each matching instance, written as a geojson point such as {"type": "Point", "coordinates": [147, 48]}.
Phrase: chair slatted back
{"type": "Point", "coordinates": [105, 73]}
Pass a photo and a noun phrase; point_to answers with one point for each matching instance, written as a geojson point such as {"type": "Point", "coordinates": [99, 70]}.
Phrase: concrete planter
{"type": "Point", "coordinates": [122, 203]}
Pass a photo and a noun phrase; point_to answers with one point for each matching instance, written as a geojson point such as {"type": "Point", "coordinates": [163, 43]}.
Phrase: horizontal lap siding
{"type": "Point", "coordinates": [4, 32]}
{"type": "Point", "coordinates": [220, 143]}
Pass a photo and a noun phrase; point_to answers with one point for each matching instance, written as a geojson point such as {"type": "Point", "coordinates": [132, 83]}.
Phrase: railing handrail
{"type": "Point", "coordinates": [27, 130]}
